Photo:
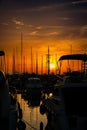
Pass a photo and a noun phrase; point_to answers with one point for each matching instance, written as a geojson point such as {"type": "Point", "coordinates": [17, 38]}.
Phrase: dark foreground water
{"type": "Point", "coordinates": [31, 114]}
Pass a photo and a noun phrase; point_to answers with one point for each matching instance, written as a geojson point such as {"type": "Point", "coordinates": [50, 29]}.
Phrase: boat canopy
{"type": "Point", "coordinates": [82, 57]}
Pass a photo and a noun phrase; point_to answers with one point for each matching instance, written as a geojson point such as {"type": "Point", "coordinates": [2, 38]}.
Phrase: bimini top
{"type": "Point", "coordinates": [74, 57]}
{"type": "Point", "coordinates": [2, 53]}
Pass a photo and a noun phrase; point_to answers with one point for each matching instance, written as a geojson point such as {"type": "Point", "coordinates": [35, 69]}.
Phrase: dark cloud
{"type": "Point", "coordinates": [32, 3]}
{"type": "Point", "coordinates": [81, 3]}
{"type": "Point", "coordinates": [71, 15]}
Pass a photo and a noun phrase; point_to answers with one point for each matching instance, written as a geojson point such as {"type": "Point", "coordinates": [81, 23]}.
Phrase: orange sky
{"type": "Point", "coordinates": [57, 24]}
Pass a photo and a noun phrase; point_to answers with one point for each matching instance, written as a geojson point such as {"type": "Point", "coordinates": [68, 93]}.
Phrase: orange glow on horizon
{"type": "Point", "coordinates": [52, 66]}
{"type": "Point", "coordinates": [56, 49]}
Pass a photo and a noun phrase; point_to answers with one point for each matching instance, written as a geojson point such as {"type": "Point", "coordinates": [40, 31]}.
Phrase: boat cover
{"type": "Point", "coordinates": [74, 57]}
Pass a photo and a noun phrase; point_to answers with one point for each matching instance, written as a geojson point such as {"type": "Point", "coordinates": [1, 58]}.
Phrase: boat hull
{"type": "Point", "coordinates": [34, 93]}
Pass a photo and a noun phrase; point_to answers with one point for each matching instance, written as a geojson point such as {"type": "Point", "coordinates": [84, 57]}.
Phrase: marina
{"type": "Point", "coordinates": [46, 102]}
{"type": "Point", "coordinates": [43, 102]}
{"type": "Point", "coordinates": [43, 64]}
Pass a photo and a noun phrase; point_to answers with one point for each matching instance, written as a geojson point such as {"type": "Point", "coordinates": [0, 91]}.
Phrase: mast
{"type": "Point", "coordinates": [36, 63]}
{"type": "Point", "coordinates": [31, 62]}
{"type": "Point", "coordinates": [56, 62]}
{"type": "Point", "coordinates": [48, 60]}
{"type": "Point", "coordinates": [21, 50]}
{"type": "Point", "coordinates": [13, 66]}
{"type": "Point", "coordinates": [24, 64]}
{"type": "Point", "coordinates": [42, 65]}
{"type": "Point", "coordinates": [7, 64]}
{"type": "Point", "coordinates": [17, 62]}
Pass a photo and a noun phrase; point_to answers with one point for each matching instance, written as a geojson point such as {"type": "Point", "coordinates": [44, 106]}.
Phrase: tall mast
{"type": "Point", "coordinates": [56, 62]}
{"type": "Point", "coordinates": [13, 66]}
{"type": "Point", "coordinates": [16, 55]}
{"type": "Point", "coordinates": [36, 63]}
{"type": "Point", "coordinates": [42, 65]}
{"type": "Point", "coordinates": [31, 61]}
{"type": "Point", "coordinates": [24, 64]}
{"type": "Point", "coordinates": [48, 60]}
{"type": "Point", "coordinates": [21, 50]}
{"type": "Point", "coordinates": [7, 64]}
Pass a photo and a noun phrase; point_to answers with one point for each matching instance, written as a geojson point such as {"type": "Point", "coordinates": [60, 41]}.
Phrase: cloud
{"type": "Point", "coordinates": [53, 33]}
{"type": "Point", "coordinates": [84, 28]}
{"type": "Point", "coordinates": [34, 33]}
{"type": "Point", "coordinates": [83, 31]}
{"type": "Point", "coordinates": [39, 27]}
{"type": "Point", "coordinates": [17, 22]}
{"type": "Point", "coordinates": [79, 2]}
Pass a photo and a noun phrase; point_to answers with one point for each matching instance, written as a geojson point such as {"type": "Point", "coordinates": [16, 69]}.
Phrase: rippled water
{"type": "Point", "coordinates": [31, 114]}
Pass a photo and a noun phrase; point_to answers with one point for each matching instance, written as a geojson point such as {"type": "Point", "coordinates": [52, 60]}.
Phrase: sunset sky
{"type": "Point", "coordinates": [59, 24]}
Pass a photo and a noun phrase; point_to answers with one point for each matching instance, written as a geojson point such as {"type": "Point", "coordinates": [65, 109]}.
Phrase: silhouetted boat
{"type": "Point", "coordinates": [8, 106]}
{"type": "Point", "coordinates": [34, 103]}
{"type": "Point", "coordinates": [67, 110]}
{"type": "Point", "coordinates": [33, 88]}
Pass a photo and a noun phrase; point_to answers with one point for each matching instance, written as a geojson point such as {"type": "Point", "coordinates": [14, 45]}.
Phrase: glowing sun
{"type": "Point", "coordinates": [52, 66]}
